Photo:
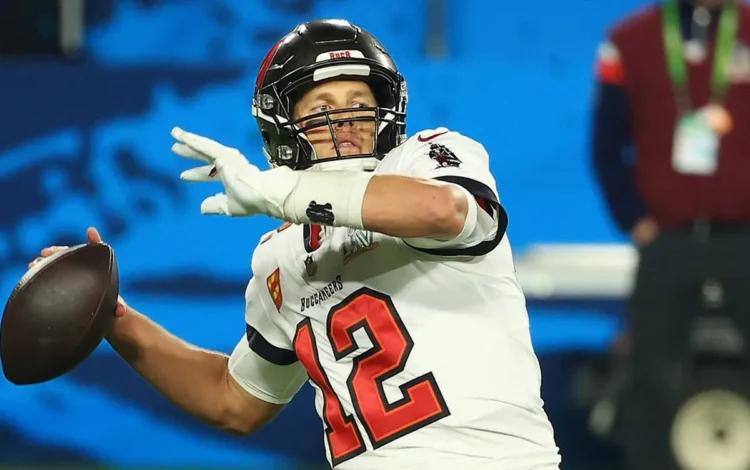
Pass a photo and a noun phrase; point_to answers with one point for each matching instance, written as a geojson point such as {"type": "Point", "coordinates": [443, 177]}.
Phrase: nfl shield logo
{"type": "Point", "coordinates": [311, 267]}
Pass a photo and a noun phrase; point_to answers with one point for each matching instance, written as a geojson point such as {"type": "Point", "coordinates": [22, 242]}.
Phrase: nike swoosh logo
{"type": "Point", "coordinates": [427, 139]}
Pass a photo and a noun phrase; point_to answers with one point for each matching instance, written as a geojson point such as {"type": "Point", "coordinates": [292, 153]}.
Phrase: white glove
{"type": "Point", "coordinates": [249, 191]}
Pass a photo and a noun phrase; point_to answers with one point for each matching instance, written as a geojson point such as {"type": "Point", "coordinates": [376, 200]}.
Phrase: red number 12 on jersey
{"type": "Point", "coordinates": [422, 402]}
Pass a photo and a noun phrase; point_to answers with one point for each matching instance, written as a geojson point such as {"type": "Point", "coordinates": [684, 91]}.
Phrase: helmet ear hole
{"type": "Point", "coordinates": [266, 137]}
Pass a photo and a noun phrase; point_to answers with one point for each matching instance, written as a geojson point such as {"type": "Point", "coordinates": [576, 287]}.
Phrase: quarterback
{"type": "Point", "coordinates": [390, 285]}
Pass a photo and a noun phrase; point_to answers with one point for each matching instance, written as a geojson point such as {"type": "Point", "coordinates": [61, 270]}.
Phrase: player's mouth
{"type": "Point", "coordinates": [349, 145]}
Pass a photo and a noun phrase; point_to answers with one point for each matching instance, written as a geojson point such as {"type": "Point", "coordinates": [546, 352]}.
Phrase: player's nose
{"type": "Point", "coordinates": [344, 122]}
{"type": "Point", "coordinates": [344, 118]}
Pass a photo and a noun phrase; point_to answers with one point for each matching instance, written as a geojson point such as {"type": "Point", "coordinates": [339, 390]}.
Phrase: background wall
{"type": "Point", "coordinates": [87, 143]}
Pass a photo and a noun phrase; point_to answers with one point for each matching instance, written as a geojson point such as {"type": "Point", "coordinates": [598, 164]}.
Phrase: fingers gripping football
{"type": "Point", "coordinates": [93, 237]}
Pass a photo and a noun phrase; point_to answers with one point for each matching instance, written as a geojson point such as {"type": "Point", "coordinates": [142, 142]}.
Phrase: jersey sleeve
{"type": "Point", "coordinates": [450, 157]}
{"type": "Point", "coordinates": [264, 362]}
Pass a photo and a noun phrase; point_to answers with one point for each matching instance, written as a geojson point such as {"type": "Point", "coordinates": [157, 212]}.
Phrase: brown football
{"type": "Point", "coordinates": [58, 313]}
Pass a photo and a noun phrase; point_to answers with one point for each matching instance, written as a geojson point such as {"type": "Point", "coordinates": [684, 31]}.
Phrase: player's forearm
{"type": "Point", "coordinates": [190, 377]}
{"type": "Point", "coordinates": [395, 205]}
{"type": "Point", "coordinates": [407, 207]}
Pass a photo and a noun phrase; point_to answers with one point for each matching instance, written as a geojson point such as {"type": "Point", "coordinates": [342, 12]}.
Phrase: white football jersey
{"type": "Point", "coordinates": [419, 352]}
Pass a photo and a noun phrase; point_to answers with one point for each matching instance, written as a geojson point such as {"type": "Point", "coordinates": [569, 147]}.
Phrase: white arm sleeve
{"type": "Point", "coordinates": [263, 362]}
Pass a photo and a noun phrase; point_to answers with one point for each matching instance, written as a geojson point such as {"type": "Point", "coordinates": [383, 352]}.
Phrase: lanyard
{"type": "Point", "coordinates": [674, 46]}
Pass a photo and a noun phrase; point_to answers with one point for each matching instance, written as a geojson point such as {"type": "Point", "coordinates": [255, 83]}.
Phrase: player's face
{"type": "Point", "coordinates": [354, 137]}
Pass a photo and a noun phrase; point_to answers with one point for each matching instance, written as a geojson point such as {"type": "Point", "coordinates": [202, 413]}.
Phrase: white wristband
{"type": "Point", "coordinates": [328, 198]}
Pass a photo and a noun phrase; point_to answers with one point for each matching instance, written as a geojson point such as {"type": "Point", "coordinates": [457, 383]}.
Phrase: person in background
{"type": "Point", "coordinates": [671, 150]}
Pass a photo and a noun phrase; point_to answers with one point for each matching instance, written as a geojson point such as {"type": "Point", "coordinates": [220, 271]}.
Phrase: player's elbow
{"type": "Point", "coordinates": [448, 211]}
{"type": "Point", "coordinates": [237, 429]}
{"type": "Point", "coordinates": [238, 413]}
{"type": "Point", "coordinates": [239, 424]}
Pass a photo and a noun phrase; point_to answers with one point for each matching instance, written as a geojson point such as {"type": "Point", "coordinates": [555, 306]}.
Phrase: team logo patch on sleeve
{"type": "Point", "coordinates": [443, 156]}
{"type": "Point", "coordinates": [274, 288]}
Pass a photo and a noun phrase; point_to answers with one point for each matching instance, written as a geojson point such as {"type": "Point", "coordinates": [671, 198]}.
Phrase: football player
{"type": "Point", "coordinates": [390, 286]}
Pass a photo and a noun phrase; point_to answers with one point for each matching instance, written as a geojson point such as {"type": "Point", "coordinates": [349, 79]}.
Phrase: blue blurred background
{"type": "Point", "coordinates": [85, 141]}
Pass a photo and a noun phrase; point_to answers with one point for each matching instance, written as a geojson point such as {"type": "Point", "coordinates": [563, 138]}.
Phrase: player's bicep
{"type": "Point", "coordinates": [457, 160]}
{"type": "Point", "coordinates": [264, 363]}
{"type": "Point", "coordinates": [246, 413]}
{"type": "Point", "coordinates": [263, 376]}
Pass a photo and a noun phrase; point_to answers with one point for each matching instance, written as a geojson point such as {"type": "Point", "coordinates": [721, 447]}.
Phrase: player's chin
{"type": "Point", "coordinates": [330, 151]}
{"type": "Point", "coordinates": [343, 150]}
{"type": "Point", "coordinates": [349, 150]}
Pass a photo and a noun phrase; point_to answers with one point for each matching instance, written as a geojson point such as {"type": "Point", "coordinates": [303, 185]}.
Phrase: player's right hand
{"type": "Point", "coordinates": [93, 236]}
{"type": "Point", "coordinates": [248, 190]}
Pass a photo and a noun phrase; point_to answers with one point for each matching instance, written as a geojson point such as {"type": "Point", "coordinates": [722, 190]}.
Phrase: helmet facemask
{"type": "Point", "coordinates": [289, 142]}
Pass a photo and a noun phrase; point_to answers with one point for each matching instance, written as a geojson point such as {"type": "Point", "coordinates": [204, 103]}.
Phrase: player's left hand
{"type": "Point", "coordinates": [249, 191]}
